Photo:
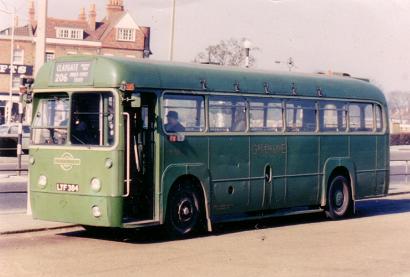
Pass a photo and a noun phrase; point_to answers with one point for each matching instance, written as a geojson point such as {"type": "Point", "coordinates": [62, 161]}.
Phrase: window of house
{"type": "Point", "coordinates": [126, 34]}
{"type": "Point", "coordinates": [70, 33]}
{"type": "Point", "coordinates": [18, 56]}
{"type": "Point", "coordinates": [16, 83]}
{"type": "Point", "coordinates": [265, 115]}
{"type": "Point", "coordinates": [49, 56]}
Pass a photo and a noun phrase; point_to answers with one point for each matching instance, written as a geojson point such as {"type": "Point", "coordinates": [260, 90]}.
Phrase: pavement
{"type": "Point", "coordinates": [12, 222]}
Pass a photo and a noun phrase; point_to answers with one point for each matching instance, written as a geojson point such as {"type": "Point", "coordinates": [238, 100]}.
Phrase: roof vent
{"type": "Point", "coordinates": [294, 89]}
{"type": "Point", "coordinates": [236, 86]}
{"type": "Point", "coordinates": [204, 85]}
{"type": "Point", "coordinates": [266, 88]}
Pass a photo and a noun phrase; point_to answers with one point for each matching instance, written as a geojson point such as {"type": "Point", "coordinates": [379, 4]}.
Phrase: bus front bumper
{"type": "Point", "coordinates": [77, 209]}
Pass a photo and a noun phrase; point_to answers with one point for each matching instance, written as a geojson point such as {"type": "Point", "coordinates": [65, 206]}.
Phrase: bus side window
{"type": "Point", "coordinates": [227, 114]}
{"type": "Point", "coordinates": [265, 115]}
{"type": "Point", "coordinates": [300, 116]}
{"type": "Point", "coordinates": [361, 117]}
{"type": "Point", "coordinates": [379, 118]}
{"type": "Point", "coordinates": [332, 116]}
{"type": "Point", "coordinates": [354, 117]}
{"type": "Point", "coordinates": [184, 113]}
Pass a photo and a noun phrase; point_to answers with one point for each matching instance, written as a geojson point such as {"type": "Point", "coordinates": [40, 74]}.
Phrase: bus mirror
{"type": "Point", "coordinates": [135, 101]}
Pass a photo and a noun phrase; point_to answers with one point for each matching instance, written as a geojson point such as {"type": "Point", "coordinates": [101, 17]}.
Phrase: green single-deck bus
{"type": "Point", "coordinates": [135, 143]}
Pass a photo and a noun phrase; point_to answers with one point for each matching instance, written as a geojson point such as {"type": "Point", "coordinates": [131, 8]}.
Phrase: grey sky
{"type": "Point", "coordinates": [367, 38]}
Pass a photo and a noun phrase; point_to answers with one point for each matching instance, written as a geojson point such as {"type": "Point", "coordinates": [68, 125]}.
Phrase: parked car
{"type": "Point", "coordinates": [9, 138]}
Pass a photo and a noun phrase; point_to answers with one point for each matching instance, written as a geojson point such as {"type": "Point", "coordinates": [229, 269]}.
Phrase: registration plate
{"type": "Point", "coordinates": [67, 187]}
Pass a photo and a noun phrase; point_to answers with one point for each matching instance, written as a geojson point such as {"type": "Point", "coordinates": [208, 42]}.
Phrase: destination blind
{"type": "Point", "coordinates": [72, 72]}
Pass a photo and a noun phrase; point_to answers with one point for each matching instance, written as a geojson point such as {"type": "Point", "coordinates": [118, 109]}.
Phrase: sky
{"type": "Point", "coordinates": [366, 38]}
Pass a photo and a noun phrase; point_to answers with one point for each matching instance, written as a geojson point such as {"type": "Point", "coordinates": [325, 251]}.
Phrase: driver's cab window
{"type": "Point", "coordinates": [92, 119]}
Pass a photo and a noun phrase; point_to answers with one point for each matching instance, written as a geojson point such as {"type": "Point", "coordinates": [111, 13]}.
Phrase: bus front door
{"type": "Point", "coordinates": [139, 205]}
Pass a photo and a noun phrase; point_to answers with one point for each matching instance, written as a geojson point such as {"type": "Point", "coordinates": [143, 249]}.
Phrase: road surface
{"type": "Point", "coordinates": [374, 243]}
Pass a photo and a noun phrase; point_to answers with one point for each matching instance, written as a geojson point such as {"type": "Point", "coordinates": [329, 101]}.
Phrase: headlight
{"type": "Point", "coordinates": [42, 181]}
{"type": "Point", "coordinates": [95, 184]}
{"type": "Point", "coordinates": [96, 211]}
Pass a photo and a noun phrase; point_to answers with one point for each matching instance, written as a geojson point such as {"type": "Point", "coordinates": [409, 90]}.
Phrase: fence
{"type": "Point", "coordinates": [19, 168]}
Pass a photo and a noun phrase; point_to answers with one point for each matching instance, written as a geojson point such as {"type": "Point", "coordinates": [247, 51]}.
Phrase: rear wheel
{"type": "Point", "coordinates": [339, 198]}
{"type": "Point", "coordinates": [183, 212]}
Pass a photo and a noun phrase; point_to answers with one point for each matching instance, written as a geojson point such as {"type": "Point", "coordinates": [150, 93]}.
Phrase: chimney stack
{"type": "Point", "coordinates": [92, 17]}
{"type": "Point", "coordinates": [32, 13]}
{"type": "Point", "coordinates": [81, 16]}
{"type": "Point", "coordinates": [114, 7]}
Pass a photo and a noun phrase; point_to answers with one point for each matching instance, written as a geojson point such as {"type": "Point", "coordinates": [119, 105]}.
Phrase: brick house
{"type": "Point", "coordinates": [117, 34]}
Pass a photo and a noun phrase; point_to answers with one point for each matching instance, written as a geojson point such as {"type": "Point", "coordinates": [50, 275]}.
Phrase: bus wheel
{"type": "Point", "coordinates": [339, 198]}
{"type": "Point", "coordinates": [95, 230]}
{"type": "Point", "coordinates": [183, 212]}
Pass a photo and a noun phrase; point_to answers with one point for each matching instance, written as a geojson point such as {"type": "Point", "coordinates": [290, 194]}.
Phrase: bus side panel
{"type": "Point", "coordinates": [331, 147]}
{"type": "Point", "coordinates": [268, 151]}
{"type": "Point", "coordinates": [382, 164]}
{"type": "Point", "coordinates": [229, 167]}
{"type": "Point", "coordinates": [302, 162]}
{"type": "Point", "coordinates": [363, 154]}
{"type": "Point", "coordinates": [192, 152]}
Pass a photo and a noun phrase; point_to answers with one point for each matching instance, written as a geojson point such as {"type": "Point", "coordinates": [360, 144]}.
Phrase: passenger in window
{"type": "Point", "coordinates": [173, 125]}
{"type": "Point", "coordinates": [240, 121]}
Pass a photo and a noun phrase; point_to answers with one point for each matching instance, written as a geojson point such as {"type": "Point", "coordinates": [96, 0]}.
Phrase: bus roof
{"type": "Point", "coordinates": [105, 71]}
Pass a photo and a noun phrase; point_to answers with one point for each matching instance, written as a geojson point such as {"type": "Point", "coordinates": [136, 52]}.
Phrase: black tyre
{"type": "Point", "coordinates": [96, 230]}
{"type": "Point", "coordinates": [183, 212]}
{"type": "Point", "coordinates": [339, 198]}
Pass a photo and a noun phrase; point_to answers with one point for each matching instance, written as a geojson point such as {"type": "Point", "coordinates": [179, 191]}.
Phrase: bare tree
{"type": "Point", "coordinates": [399, 105]}
{"type": "Point", "coordinates": [227, 52]}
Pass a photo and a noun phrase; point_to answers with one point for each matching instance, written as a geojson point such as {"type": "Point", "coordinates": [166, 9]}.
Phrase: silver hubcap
{"type": "Point", "coordinates": [185, 210]}
{"type": "Point", "coordinates": [339, 198]}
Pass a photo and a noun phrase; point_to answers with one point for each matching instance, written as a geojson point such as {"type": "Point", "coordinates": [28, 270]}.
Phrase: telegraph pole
{"type": "Point", "coordinates": [39, 60]}
{"type": "Point", "coordinates": [7, 114]}
{"type": "Point", "coordinates": [171, 47]}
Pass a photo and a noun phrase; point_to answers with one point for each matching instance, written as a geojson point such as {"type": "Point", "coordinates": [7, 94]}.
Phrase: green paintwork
{"type": "Point", "coordinates": [229, 167]}
{"type": "Point", "coordinates": [147, 74]}
{"type": "Point", "coordinates": [92, 164]}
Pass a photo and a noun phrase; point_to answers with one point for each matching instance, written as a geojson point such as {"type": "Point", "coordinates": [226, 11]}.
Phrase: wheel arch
{"type": "Point", "coordinates": [338, 166]}
{"type": "Point", "coordinates": [196, 174]}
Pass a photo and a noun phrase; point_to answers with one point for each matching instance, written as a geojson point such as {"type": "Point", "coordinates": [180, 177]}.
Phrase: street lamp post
{"type": "Point", "coordinates": [13, 16]}
{"type": "Point", "coordinates": [171, 47]}
{"type": "Point", "coordinates": [247, 45]}
{"type": "Point", "coordinates": [10, 104]}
